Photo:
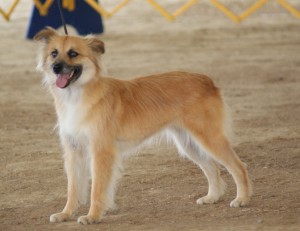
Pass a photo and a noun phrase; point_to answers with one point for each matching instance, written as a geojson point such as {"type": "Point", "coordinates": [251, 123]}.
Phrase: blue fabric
{"type": "Point", "coordinates": [84, 19]}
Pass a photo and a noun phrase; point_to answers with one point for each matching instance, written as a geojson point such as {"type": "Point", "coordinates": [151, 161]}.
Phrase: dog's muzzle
{"type": "Point", "coordinates": [66, 74]}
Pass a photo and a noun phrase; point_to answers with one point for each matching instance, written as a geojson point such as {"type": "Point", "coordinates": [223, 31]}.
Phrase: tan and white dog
{"type": "Point", "coordinates": [100, 118]}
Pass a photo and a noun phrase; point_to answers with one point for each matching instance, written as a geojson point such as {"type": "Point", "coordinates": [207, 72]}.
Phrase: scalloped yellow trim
{"type": "Point", "coordinates": [289, 8]}
{"type": "Point", "coordinates": [7, 14]}
{"type": "Point", "coordinates": [43, 8]}
{"type": "Point", "coordinates": [103, 11]}
{"type": "Point", "coordinates": [70, 5]}
{"type": "Point", "coordinates": [172, 16]}
{"type": "Point", "coordinates": [238, 18]}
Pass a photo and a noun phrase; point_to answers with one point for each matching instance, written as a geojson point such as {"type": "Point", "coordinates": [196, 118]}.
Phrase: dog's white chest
{"type": "Point", "coordinates": [71, 122]}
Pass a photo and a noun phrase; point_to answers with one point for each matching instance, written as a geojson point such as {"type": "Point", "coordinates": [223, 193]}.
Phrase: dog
{"type": "Point", "coordinates": [100, 119]}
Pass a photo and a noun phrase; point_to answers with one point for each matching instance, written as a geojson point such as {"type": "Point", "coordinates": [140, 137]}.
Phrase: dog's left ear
{"type": "Point", "coordinates": [95, 44]}
{"type": "Point", "coordinates": [45, 34]}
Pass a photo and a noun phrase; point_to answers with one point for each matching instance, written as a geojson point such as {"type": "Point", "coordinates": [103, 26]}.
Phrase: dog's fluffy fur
{"type": "Point", "coordinates": [101, 118]}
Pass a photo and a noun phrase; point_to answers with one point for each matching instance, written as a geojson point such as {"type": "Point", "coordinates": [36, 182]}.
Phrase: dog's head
{"type": "Point", "coordinates": [69, 60]}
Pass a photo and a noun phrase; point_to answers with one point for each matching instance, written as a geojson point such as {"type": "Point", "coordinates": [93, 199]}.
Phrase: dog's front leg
{"type": "Point", "coordinates": [102, 166]}
{"type": "Point", "coordinates": [73, 197]}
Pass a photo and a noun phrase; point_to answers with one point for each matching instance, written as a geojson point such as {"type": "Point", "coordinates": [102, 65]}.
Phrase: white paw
{"type": "Point", "coordinates": [239, 202]}
{"type": "Point", "coordinates": [207, 200]}
{"type": "Point", "coordinates": [59, 217]}
{"type": "Point", "coordinates": [87, 220]}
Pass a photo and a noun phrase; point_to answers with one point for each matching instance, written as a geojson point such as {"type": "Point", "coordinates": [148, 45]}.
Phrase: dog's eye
{"type": "Point", "coordinates": [54, 53]}
{"type": "Point", "coordinates": [72, 54]}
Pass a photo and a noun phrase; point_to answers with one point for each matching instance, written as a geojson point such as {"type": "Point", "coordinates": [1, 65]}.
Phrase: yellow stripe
{"type": "Point", "coordinates": [161, 10]}
{"type": "Point", "coordinates": [4, 15]}
{"type": "Point", "coordinates": [253, 8]}
{"type": "Point", "coordinates": [184, 8]}
{"type": "Point", "coordinates": [226, 11]}
{"type": "Point", "coordinates": [288, 7]}
{"type": "Point", "coordinates": [9, 12]}
{"type": "Point", "coordinates": [71, 5]}
{"type": "Point", "coordinates": [43, 8]}
{"type": "Point", "coordinates": [12, 7]}
{"type": "Point", "coordinates": [65, 4]}
{"type": "Point", "coordinates": [97, 8]}
{"type": "Point", "coordinates": [118, 7]}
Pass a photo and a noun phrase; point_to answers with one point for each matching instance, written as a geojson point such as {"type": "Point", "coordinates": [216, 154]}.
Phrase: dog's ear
{"type": "Point", "coordinates": [95, 44]}
{"type": "Point", "coordinates": [45, 35]}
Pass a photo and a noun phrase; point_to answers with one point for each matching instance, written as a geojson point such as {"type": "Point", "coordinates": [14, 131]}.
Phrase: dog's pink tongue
{"type": "Point", "coordinates": [62, 80]}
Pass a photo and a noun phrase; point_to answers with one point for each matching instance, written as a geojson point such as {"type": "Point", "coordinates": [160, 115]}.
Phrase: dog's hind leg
{"type": "Point", "coordinates": [221, 151]}
{"type": "Point", "coordinates": [209, 131]}
{"type": "Point", "coordinates": [189, 148]}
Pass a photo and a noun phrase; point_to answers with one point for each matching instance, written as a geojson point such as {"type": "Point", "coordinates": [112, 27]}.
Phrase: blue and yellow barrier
{"type": "Point", "coordinates": [71, 4]}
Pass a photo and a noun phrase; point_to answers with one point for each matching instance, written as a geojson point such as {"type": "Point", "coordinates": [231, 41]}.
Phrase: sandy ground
{"type": "Point", "coordinates": [257, 64]}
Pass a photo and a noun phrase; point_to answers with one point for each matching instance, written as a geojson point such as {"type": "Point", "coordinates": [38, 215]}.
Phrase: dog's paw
{"type": "Point", "coordinates": [239, 202]}
{"type": "Point", "coordinates": [87, 220]}
{"type": "Point", "coordinates": [59, 217]}
{"type": "Point", "coordinates": [207, 200]}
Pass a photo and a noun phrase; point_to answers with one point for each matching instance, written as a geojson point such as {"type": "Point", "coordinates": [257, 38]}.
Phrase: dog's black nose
{"type": "Point", "coordinates": [57, 68]}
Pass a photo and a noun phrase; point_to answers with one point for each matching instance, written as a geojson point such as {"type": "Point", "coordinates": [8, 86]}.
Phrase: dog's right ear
{"type": "Point", "coordinates": [95, 44]}
{"type": "Point", "coordinates": [45, 35]}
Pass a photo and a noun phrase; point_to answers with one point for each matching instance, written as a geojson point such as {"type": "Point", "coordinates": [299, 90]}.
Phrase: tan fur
{"type": "Point", "coordinates": [101, 118]}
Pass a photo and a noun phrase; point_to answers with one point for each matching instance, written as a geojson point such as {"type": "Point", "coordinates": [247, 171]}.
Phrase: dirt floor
{"type": "Point", "coordinates": [256, 63]}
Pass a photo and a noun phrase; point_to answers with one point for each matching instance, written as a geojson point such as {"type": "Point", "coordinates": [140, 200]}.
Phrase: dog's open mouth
{"type": "Point", "coordinates": [64, 79]}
